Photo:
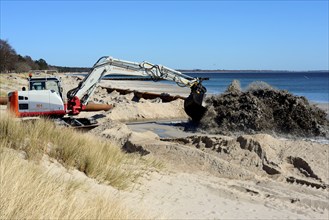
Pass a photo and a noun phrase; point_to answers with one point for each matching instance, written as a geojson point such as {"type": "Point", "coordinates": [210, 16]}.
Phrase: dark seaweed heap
{"type": "Point", "coordinates": [263, 109]}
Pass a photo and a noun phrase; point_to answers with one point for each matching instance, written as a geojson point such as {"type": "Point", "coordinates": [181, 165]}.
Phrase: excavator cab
{"type": "Point", "coordinates": [46, 83]}
{"type": "Point", "coordinates": [193, 103]}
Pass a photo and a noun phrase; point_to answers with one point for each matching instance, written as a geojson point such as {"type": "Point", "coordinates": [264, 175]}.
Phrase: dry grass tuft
{"type": "Point", "coordinates": [28, 192]}
{"type": "Point", "coordinates": [97, 159]}
{"type": "Point", "coordinates": [3, 93]}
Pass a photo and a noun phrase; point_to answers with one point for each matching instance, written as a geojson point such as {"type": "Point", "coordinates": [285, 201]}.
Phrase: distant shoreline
{"type": "Point", "coordinates": [86, 70]}
{"type": "Point", "coordinates": [251, 71]}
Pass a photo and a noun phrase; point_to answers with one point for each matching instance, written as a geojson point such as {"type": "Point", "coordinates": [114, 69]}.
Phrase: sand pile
{"type": "Point", "coordinates": [128, 107]}
{"type": "Point", "coordinates": [262, 108]}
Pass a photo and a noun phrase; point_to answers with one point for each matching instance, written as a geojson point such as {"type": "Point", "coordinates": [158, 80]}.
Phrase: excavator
{"type": "Point", "coordinates": [45, 98]}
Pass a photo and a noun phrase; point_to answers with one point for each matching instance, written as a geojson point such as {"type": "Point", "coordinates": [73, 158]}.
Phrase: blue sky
{"type": "Point", "coordinates": [278, 35]}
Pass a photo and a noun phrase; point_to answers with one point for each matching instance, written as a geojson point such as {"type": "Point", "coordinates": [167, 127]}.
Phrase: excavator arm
{"type": "Point", "coordinates": [78, 97]}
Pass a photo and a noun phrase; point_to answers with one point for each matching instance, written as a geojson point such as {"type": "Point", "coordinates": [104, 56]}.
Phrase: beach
{"type": "Point", "coordinates": [204, 176]}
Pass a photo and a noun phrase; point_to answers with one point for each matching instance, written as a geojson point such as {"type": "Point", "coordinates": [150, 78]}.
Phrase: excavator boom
{"type": "Point", "coordinates": [79, 96]}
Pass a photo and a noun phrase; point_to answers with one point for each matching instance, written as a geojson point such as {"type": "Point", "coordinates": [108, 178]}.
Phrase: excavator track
{"type": "Point", "coordinates": [77, 123]}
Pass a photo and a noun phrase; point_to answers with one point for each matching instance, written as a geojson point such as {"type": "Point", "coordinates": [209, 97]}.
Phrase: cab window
{"type": "Point", "coordinates": [38, 86]}
{"type": "Point", "coordinates": [52, 85]}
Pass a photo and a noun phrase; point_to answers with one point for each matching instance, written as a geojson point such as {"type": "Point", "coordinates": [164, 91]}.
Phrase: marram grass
{"type": "Point", "coordinates": [97, 158]}
{"type": "Point", "coordinates": [28, 192]}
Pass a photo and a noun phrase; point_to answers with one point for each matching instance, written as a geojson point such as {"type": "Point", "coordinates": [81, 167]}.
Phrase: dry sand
{"type": "Point", "coordinates": [209, 176]}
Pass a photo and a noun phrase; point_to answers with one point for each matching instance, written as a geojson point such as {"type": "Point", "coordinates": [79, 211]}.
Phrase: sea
{"type": "Point", "coordinates": [313, 85]}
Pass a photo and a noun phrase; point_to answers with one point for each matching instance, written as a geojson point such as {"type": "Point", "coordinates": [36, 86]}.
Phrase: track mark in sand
{"type": "Point", "coordinates": [244, 189]}
{"type": "Point", "coordinates": [279, 197]}
{"type": "Point", "coordinates": [306, 183]}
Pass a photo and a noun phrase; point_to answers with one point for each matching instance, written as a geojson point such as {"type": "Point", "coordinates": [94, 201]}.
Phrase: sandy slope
{"type": "Point", "coordinates": [200, 196]}
{"type": "Point", "coordinates": [251, 176]}
{"type": "Point", "coordinates": [209, 176]}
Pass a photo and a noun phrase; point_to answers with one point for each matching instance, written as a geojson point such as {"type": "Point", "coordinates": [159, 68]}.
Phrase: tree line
{"type": "Point", "coordinates": [10, 62]}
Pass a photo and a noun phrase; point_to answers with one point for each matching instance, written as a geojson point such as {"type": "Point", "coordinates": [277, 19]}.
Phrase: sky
{"type": "Point", "coordinates": [262, 35]}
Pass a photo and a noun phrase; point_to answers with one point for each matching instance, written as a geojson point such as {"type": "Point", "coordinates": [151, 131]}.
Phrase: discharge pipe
{"type": "Point", "coordinates": [90, 107]}
{"type": "Point", "coordinates": [3, 100]}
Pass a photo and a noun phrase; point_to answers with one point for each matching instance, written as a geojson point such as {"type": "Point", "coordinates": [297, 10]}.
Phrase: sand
{"type": "Point", "coordinates": [261, 176]}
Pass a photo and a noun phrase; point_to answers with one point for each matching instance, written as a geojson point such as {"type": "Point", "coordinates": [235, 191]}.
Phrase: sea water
{"type": "Point", "coordinates": [313, 85]}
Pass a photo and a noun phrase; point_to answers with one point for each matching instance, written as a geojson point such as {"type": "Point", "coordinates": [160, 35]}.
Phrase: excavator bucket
{"type": "Point", "coordinates": [193, 103]}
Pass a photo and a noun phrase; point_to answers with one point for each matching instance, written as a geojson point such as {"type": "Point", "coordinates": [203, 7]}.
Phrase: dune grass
{"type": "Point", "coordinates": [15, 82]}
{"type": "Point", "coordinates": [27, 192]}
{"type": "Point", "coordinates": [3, 93]}
{"type": "Point", "coordinates": [97, 158]}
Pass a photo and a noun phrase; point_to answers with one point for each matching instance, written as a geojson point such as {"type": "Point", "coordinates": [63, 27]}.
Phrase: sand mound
{"type": "Point", "coordinates": [263, 109]}
{"type": "Point", "coordinates": [128, 107]}
{"type": "Point", "coordinates": [261, 155]}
